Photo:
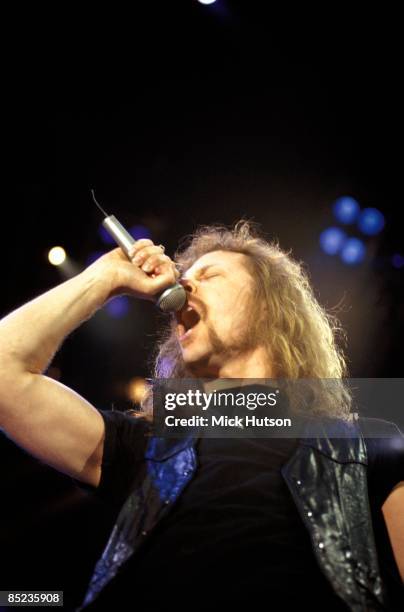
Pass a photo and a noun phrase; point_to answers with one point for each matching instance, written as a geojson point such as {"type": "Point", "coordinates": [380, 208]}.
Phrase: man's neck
{"type": "Point", "coordinates": [253, 365]}
{"type": "Point", "coordinates": [219, 384]}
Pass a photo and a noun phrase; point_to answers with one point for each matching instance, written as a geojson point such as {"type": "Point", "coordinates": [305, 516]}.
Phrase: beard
{"type": "Point", "coordinates": [240, 341]}
{"type": "Point", "coordinates": [241, 338]}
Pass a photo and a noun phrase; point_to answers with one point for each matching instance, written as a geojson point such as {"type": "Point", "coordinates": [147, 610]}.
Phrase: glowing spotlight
{"type": "Point", "coordinates": [353, 252]}
{"type": "Point", "coordinates": [57, 256]}
{"type": "Point", "coordinates": [136, 389]}
{"type": "Point", "coordinates": [346, 210]}
{"type": "Point", "coordinates": [118, 307]}
{"type": "Point", "coordinates": [332, 239]}
{"type": "Point", "coordinates": [371, 221]}
{"type": "Point", "coordinates": [206, 1]}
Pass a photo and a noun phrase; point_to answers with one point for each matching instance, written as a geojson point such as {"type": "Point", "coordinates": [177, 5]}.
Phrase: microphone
{"type": "Point", "coordinates": [171, 299]}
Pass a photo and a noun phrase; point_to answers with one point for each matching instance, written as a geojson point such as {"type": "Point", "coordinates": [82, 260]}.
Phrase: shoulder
{"type": "Point", "coordinates": [125, 433]}
{"type": "Point", "coordinates": [385, 453]}
{"type": "Point", "coordinates": [384, 440]}
{"type": "Point", "coordinates": [362, 439]}
{"type": "Point", "coordinates": [379, 428]}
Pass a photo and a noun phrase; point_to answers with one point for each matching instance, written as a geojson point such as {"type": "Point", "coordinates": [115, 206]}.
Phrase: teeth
{"type": "Point", "coordinates": [187, 319]}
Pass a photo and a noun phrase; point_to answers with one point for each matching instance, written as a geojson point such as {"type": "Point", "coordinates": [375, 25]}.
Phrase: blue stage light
{"type": "Point", "coordinates": [371, 221]}
{"type": "Point", "coordinates": [332, 239]}
{"type": "Point", "coordinates": [346, 210]}
{"type": "Point", "coordinates": [353, 251]}
{"type": "Point", "coordinates": [397, 260]}
{"type": "Point", "coordinates": [118, 307]}
{"type": "Point", "coordinates": [139, 231]}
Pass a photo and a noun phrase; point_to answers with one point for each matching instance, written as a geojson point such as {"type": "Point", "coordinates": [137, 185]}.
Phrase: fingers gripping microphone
{"type": "Point", "coordinates": [171, 299]}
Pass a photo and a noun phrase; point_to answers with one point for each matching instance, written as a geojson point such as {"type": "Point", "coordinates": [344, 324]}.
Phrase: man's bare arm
{"type": "Point", "coordinates": [46, 418]}
{"type": "Point", "coordinates": [393, 512]}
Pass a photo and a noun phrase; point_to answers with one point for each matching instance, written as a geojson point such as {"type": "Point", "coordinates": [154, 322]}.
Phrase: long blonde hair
{"type": "Point", "coordinates": [301, 338]}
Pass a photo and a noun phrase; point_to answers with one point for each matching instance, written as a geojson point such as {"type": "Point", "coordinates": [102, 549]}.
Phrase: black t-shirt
{"type": "Point", "coordinates": [234, 536]}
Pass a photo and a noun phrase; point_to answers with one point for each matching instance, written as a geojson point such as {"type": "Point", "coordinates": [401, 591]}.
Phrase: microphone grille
{"type": "Point", "coordinates": [172, 299]}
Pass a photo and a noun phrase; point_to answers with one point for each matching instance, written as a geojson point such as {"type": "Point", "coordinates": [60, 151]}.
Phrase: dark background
{"type": "Point", "coordinates": [181, 115]}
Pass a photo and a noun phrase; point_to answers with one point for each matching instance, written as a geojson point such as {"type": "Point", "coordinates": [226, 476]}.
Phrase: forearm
{"type": "Point", "coordinates": [31, 335]}
{"type": "Point", "coordinates": [46, 418]}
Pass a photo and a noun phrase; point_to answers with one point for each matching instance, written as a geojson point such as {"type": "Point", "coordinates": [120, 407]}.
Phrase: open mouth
{"type": "Point", "coordinates": [188, 317]}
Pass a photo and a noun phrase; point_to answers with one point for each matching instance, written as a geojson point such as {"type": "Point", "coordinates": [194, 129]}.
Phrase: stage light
{"type": "Point", "coordinates": [139, 231]}
{"type": "Point", "coordinates": [136, 389]}
{"type": "Point", "coordinates": [353, 251]}
{"type": "Point", "coordinates": [397, 260]}
{"type": "Point", "coordinates": [56, 256]}
{"type": "Point", "coordinates": [371, 221]}
{"type": "Point", "coordinates": [118, 307]}
{"type": "Point", "coordinates": [332, 239]}
{"type": "Point", "coordinates": [206, 1]}
{"type": "Point", "coordinates": [346, 210]}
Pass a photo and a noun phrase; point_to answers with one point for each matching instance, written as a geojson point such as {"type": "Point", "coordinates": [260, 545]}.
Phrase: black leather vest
{"type": "Point", "coordinates": [327, 479]}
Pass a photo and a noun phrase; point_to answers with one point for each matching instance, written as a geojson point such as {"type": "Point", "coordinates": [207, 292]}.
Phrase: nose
{"type": "Point", "coordinates": [188, 285]}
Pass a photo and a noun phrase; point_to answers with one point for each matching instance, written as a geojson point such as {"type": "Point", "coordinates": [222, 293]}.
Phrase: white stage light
{"type": "Point", "coordinates": [56, 256]}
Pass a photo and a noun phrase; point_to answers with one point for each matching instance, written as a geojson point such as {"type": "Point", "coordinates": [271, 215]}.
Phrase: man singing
{"type": "Point", "coordinates": [277, 523]}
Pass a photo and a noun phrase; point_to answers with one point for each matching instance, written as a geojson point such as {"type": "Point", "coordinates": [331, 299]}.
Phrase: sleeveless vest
{"type": "Point", "coordinates": [327, 479]}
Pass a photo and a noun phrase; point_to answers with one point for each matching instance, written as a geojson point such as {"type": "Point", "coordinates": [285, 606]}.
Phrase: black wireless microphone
{"type": "Point", "coordinates": [171, 299]}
